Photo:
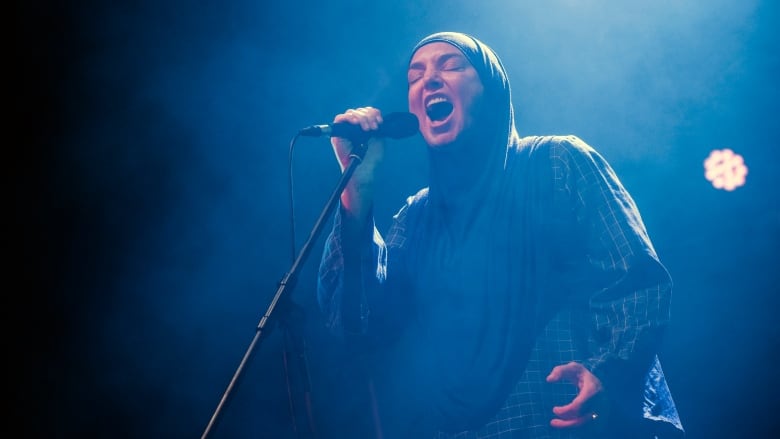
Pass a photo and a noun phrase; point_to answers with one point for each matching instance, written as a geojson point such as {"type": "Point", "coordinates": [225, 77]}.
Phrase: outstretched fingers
{"type": "Point", "coordinates": [575, 413]}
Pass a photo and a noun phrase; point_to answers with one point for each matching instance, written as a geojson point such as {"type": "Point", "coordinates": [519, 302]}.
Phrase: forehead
{"type": "Point", "coordinates": [433, 52]}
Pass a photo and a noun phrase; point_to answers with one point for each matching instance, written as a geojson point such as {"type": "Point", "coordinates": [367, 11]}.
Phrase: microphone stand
{"type": "Point", "coordinates": [290, 278]}
{"type": "Point", "coordinates": [294, 354]}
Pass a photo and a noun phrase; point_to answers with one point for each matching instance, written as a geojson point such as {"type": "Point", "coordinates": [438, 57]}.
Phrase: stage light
{"type": "Point", "coordinates": [725, 169]}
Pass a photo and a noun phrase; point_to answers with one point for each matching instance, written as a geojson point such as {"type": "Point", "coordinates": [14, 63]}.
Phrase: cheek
{"type": "Point", "coordinates": [472, 98]}
{"type": "Point", "coordinates": [415, 104]}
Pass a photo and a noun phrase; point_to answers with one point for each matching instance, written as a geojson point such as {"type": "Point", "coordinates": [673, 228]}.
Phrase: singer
{"type": "Point", "coordinates": [518, 295]}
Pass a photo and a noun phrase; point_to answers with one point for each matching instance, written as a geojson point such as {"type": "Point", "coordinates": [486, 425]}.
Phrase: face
{"type": "Point", "coordinates": [444, 90]}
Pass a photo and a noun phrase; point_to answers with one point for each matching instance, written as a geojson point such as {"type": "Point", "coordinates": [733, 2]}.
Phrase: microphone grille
{"type": "Point", "coordinates": [400, 124]}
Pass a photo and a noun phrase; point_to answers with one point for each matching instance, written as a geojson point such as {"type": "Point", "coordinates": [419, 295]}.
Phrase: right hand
{"type": "Point", "coordinates": [589, 387]}
{"type": "Point", "coordinates": [369, 119]}
{"type": "Point", "coordinates": [358, 197]}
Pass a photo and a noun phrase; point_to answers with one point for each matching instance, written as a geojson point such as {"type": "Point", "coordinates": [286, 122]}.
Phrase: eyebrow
{"type": "Point", "coordinates": [442, 59]}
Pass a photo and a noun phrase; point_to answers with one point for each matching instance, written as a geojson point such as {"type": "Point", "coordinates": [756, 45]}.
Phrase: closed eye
{"type": "Point", "coordinates": [454, 65]}
{"type": "Point", "coordinates": [414, 75]}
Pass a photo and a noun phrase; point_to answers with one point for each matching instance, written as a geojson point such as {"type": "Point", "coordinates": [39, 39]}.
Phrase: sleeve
{"type": "Point", "coordinates": [341, 276]}
{"type": "Point", "coordinates": [628, 289]}
{"type": "Point", "coordinates": [353, 291]}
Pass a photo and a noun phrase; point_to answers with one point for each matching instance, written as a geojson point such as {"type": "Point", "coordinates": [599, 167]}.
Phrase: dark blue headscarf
{"type": "Point", "coordinates": [476, 256]}
{"type": "Point", "coordinates": [461, 170]}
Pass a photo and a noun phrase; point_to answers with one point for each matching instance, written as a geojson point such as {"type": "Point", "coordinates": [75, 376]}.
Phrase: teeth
{"type": "Point", "coordinates": [435, 100]}
{"type": "Point", "coordinates": [438, 109]}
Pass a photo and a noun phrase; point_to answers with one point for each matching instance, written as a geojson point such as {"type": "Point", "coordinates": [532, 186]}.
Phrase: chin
{"type": "Point", "coordinates": [440, 140]}
{"type": "Point", "coordinates": [442, 135]}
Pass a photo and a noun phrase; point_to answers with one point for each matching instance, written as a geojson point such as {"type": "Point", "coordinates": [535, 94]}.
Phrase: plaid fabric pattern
{"type": "Point", "coordinates": [617, 243]}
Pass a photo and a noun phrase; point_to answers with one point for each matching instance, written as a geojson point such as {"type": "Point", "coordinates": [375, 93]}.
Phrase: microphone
{"type": "Point", "coordinates": [394, 125]}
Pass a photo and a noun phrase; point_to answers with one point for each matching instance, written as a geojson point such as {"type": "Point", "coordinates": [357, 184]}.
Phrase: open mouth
{"type": "Point", "coordinates": [438, 109]}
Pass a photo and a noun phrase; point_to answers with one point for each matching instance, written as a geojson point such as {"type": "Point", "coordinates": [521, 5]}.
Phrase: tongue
{"type": "Point", "coordinates": [439, 111]}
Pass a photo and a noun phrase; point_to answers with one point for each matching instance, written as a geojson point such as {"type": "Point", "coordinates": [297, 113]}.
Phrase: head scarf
{"type": "Point", "coordinates": [458, 172]}
{"type": "Point", "coordinates": [474, 257]}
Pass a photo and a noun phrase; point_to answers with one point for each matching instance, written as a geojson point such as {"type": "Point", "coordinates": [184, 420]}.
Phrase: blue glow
{"type": "Point", "coordinates": [173, 169]}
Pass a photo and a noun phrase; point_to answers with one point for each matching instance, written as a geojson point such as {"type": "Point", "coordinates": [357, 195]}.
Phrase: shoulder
{"type": "Point", "coordinates": [564, 153]}
{"type": "Point", "coordinates": [556, 146]}
{"type": "Point", "coordinates": [569, 158]}
{"type": "Point", "coordinates": [418, 199]}
{"type": "Point", "coordinates": [413, 203]}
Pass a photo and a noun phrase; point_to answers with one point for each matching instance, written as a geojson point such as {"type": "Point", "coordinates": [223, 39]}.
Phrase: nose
{"type": "Point", "coordinates": [432, 78]}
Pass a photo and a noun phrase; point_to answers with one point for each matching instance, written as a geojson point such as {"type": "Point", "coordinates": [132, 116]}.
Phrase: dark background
{"type": "Point", "coordinates": [149, 219]}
